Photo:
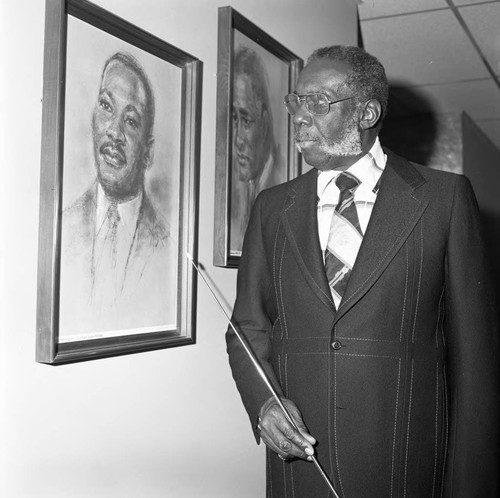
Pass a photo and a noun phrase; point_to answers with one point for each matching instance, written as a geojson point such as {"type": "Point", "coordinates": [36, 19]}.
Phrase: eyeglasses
{"type": "Point", "coordinates": [316, 103]}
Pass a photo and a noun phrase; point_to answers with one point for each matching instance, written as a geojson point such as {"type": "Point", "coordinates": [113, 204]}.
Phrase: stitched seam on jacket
{"type": "Point", "coordinates": [284, 467]}
{"type": "Point", "coordinates": [437, 391]}
{"type": "Point", "coordinates": [305, 338]}
{"type": "Point", "coordinates": [330, 415]}
{"type": "Point", "coordinates": [276, 289]}
{"type": "Point", "coordinates": [390, 341]}
{"type": "Point", "coordinates": [286, 375]}
{"type": "Point", "coordinates": [284, 476]}
{"type": "Point", "coordinates": [405, 296]}
{"type": "Point", "coordinates": [280, 374]}
{"type": "Point", "coordinates": [450, 458]}
{"type": "Point", "coordinates": [368, 355]}
{"type": "Point", "coordinates": [270, 481]}
{"type": "Point", "coordinates": [335, 427]}
{"type": "Point", "coordinates": [439, 316]}
{"type": "Point", "coordinates": [395, 426]}
{"type": "Point", "coordinates": [292, 478]}
{"type": "Point", "coordinates": [286, 388]}
{"type": "Point", "coordinates": [436, 432]}
{"type": "Point", "coordinates": [306, 353]}
{"type": "Point", "coordinates": [348, 354]}
{"type": "Point", "coordinates": [446, 408]}
{"type": "Point", "coordinates": [408, 429]}
{"type": "Point", "coordinates": [281, 289]}
{"type": "Point", "coordinates": [419, 281]}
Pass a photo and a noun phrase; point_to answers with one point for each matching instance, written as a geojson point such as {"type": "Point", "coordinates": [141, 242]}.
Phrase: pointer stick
{"type": "Point", "coordinates": [261, 372]}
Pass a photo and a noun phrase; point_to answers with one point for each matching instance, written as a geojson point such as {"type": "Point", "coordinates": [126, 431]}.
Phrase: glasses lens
{"type": "Point", "coordinates": [317, 103]}
{"type": "Point", "coordinates": [292, 103]}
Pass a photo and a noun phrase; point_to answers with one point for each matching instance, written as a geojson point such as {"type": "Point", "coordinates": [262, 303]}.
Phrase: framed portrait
{"type": "Point", "coordinates": [254, 135]}
{"type": "Point", "coordinates": [118, 188]}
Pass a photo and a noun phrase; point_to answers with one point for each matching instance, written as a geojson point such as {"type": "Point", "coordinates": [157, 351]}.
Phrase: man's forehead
{"type": "Point", "coordinates": [123, 82]}
{"type": "Point", "coordinates": [322, 75]}
{"type": "Point", "coordinates": [244, 96]}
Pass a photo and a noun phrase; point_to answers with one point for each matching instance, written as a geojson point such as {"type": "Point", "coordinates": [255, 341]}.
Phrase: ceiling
{"type": "Point", "coordinates": [440, 55]}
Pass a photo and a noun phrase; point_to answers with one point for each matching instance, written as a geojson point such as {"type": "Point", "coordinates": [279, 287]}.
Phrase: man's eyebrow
{"type": "Point", "coordinates": [104, 91]}
{"type": "Point", "coordinates": [133, 108]}
{"type": "Point", "coordinates": [245, 112]}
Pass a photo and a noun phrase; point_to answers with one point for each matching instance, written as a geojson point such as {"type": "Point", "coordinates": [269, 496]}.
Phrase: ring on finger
{"type": "Point", "coordinates": [285, 445]}
{"type": "Point", "coordinates": [282, 457]}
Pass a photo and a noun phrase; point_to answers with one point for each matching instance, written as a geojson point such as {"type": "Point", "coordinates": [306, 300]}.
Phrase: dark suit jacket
{"type": "Point", "coordinates": [400, 385]}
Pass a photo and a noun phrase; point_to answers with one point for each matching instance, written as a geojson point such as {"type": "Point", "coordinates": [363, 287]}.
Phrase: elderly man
{"type": "Point", "coordinates": [116, 249]}
{"type": "Point", "coordinates": [363, 291]}
{"type": "Point", "coordinates": [256, 162]}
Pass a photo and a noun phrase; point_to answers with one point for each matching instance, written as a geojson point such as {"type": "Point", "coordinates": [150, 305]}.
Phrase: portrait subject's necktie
{"type": "Point", "coordinates": [344, 239]}
{"type": "Point", "coordinates": [105, 278]}
{"type": "Point", "coordinates": [113, 218]}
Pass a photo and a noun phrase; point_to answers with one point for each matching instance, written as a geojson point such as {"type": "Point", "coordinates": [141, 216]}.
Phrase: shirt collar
{"type": "Point", "coordinates": [367, 170]}
{"type": "Point", "coordinates": [128, 211]}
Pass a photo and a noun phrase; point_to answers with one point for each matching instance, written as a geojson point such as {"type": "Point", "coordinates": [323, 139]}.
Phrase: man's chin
{"type": "Point", "coordinates": [314, 157]}
{"type": "Point", "coordinates": [305, 145]}
{"type": "Point", "coordinates": [244, 171]}
{"type": "Point", "coordinates": [326, 162]}
{"type": "Point", "coordinates": [109, 175]}
{"type": "Point", "coordinates": [117, 185]}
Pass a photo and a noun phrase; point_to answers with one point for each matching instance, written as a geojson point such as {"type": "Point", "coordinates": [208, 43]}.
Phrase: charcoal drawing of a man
{"type": "Point", "coordinates": [256, 160]}
{"type": "Point", "coordinates": [116, 246]}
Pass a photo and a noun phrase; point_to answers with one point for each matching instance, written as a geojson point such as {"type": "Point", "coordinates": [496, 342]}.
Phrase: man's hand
{"type": "Point", "coordinates": [279, 434]}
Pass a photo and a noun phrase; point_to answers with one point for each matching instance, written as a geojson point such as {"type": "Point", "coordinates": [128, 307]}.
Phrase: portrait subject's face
{"type": "Point", "coordinates": [120, 132]}
{"type": "Point", "coordinates": [249, 130]}
{"type": "Point", "coordinates": [323, 139]}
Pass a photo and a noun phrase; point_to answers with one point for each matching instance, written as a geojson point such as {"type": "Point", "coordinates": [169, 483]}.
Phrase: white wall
{"type": "Point", "coordinates": [162, 424]}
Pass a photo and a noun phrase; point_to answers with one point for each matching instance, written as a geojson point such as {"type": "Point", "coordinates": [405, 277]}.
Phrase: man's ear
{"type": "Point", "coordinates": [372, 113]}
{"type": "Point", "coordinates": [149, 152]}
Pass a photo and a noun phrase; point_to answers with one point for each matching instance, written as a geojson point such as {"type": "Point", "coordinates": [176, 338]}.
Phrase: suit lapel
{"type": "Point", "coordinates": [299, 218]}
{"type": "Point", "coordinates": [398, 208]}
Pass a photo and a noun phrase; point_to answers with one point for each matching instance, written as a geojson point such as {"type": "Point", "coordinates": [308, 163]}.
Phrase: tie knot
{"type": "Point", "coordinates": [113, 215]}
{"type": "Point", "coordinates": [347, 181]}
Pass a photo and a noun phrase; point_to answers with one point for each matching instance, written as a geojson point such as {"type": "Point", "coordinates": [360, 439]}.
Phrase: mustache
{"type": "Point", "coordinates": [242, 156]}
{"type": "Point", "coordinates": [113, 148]}
{"type": "Point", "coordinates": [301, 137]}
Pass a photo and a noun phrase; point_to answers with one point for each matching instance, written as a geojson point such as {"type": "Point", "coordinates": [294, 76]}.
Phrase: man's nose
{"type": "Point", "coordinates": [115, 130]}
{"type": "Point", "coordinates": [238, 133]}
{"type": "Point", "coordinates": [302, 117]}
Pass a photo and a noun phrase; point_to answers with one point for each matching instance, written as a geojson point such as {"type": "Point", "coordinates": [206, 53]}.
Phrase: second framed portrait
{"type": "Point", "coordinates": [254, 137]}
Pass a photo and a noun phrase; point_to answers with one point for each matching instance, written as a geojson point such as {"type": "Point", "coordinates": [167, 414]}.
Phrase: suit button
{"type": "Point", "coordinates": [336, 345]}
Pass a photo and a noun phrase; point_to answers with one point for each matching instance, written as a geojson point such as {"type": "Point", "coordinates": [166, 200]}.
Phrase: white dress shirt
{"type": "Point", "coordinates": [368, 171]}
{"type": "Point", "coordinates": [111, 254]}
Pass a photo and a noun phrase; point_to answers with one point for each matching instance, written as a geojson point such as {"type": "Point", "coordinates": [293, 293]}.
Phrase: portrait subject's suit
{"type": "Point", "coordinates": [243, 195]}
{"type": "Point", "coordinates": [146, 284]}
{"type": "Point", "coordinates": [399, 385]}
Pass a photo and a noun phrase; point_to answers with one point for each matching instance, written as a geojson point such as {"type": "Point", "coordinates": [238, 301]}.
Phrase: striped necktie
{"type": "Point", "coordinates": [344, 239]}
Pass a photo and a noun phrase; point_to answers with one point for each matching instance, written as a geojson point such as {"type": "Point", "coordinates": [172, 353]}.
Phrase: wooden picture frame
{"type": "Point", "coordinates": [116, 220]}
{"type": "Point", "coordinates": [254, 134]}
